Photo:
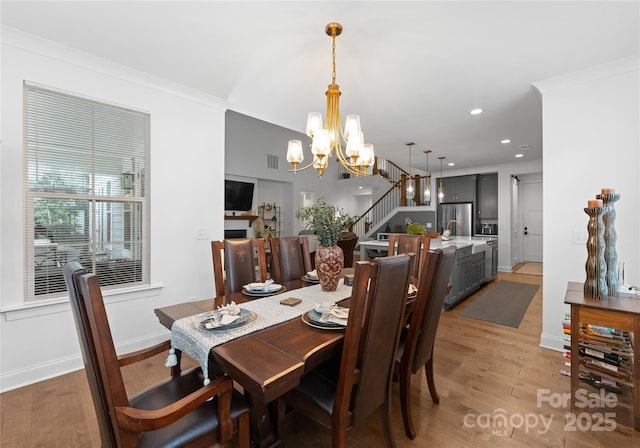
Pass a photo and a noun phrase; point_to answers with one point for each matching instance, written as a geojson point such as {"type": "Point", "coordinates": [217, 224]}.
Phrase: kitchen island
{"type": "Point", "coordinates": [474, 265]}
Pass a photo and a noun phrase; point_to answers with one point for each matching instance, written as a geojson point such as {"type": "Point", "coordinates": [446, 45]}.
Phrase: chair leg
{"type": "Point", "coordinates": [385, 416]}
{"type": "Point", "coordinates": [243, 431]}
{"type": "Point", "coordinates": [405, 403]}
{"type": "Point", "coordinates": [428, 369]}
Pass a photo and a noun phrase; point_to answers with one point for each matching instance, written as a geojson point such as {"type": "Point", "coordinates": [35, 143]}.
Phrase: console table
{"type": "Point", "coordinates": [618, 319]}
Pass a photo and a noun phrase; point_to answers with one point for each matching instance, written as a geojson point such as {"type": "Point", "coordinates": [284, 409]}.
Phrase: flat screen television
{"type": "Point", "coordinates": [238, 196]}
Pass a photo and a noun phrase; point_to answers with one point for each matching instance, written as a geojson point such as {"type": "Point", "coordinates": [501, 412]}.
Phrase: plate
{"type": "Point", "coordinates": [246, 316]}
{"type": "Point", "coordinates": [322, 325]}
{"type": "Point", "coordinates": [306, 278]}
{"type": "Point", "coordinates": [250, 293]}
{"type": "Point", "coordinates": [316, 318]}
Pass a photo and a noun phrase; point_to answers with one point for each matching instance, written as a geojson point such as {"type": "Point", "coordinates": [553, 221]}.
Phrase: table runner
{"type": "Point", "coordinates": [190, 339]}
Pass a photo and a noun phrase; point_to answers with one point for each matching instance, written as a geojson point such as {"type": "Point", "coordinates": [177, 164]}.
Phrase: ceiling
{"type": "Point", "coordinates": [411, 70]}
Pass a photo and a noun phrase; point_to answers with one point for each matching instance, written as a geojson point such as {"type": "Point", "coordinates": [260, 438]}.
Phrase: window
{"type": "Point", "coordinates": [86, 191]}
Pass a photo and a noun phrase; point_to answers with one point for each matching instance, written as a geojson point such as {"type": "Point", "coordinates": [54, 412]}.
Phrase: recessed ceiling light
{"type": "Point", "coordinates": [476, 111]}
{"type": "Point", "coordinates": [451, 164]}
{"type": "Point", "coordinates": [360, 187]}
{"type": "Point", "coordinates": [505, 141]}
{"type": "Point", "coordinates": [519, 155]}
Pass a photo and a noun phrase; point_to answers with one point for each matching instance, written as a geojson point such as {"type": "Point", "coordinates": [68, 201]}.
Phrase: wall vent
{"type": "Point", "coordinates": [272, 161]}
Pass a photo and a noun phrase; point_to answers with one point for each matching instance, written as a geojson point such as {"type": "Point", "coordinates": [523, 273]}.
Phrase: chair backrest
{"type": "Point", "coordinates": [409, 244]}
{"type": "Point", "coordinates": [371, 338]}
{"type": "Point", "coordinates": [72, 272]}
{"type": "Point", "coordinates": [235, 262]}
{"type": "Point", "coordinates": [428, 308]}
{"type": "Point", "coordinates": [347, 242]}
{"type": "Point", "coordinates": [291, 258]}
{"type": "Point", "coordinates": [108, 369]}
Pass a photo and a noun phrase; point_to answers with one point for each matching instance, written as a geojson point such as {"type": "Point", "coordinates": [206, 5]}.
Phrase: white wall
{"type": "Point", "coordinates": [591, 125]}
{"type": "Point", "coordinates": [187, 172]}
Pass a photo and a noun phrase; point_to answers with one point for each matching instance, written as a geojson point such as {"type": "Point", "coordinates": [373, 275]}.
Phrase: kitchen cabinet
{"type": "Point", "coordinates": [605, 361]}
{"type": "Point", "coordinates": [458, 188]}
{"type": "Point", "coordinates": [467, 275]}
{"type": "Point", "coordinates": [487, 196]}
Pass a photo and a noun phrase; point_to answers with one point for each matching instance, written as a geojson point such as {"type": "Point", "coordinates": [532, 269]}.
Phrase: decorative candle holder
{"type": "Point", "coordinates": [596, 285]}
{"type": "Point", "coordinates": [610, 237]}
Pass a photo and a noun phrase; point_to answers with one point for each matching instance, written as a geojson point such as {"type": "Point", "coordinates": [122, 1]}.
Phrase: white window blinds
{"type": "Point", "coordinates": [86, 191]}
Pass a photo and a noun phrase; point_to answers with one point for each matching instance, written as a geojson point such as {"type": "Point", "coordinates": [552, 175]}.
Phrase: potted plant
{"type": "Point", "coordinates": [413, 228]}
{"type": "Point", "coordinates": [328, 221]}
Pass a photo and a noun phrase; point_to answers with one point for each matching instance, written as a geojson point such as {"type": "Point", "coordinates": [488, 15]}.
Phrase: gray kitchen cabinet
{"type": "Point", "coordinates": [467, 275]}
{"type": "Point", "coordinates": [487, 196]}
{"type": "Point", "coordinates": [458, 188]}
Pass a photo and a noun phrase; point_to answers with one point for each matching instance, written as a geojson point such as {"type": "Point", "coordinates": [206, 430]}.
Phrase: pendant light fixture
{"type": "Point", "coordinates": [410, 189]}
{"type": "Point", "coordinates": [427, 183]}
{"type": "Point", "coordinates": [441, 190]}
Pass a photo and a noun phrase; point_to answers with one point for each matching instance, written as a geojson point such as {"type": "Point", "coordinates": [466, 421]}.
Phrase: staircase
{"type": "Point", "coordinates": [394, 197]}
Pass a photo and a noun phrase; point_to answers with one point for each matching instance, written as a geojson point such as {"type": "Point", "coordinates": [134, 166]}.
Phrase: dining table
{"type": "Point", "coordinates": [267, 362]}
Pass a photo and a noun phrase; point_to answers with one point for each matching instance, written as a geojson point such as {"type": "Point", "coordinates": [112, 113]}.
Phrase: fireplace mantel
{"type": "Point", "coordinates": [249, 218]}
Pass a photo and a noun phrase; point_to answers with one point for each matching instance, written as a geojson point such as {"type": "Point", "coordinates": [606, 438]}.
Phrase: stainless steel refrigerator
{"type": "Point", "coordinates": [462, 213]}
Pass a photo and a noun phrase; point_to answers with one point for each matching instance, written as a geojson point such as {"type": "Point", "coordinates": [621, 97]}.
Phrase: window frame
{"type": "Point", "coordinates": [131, 204]}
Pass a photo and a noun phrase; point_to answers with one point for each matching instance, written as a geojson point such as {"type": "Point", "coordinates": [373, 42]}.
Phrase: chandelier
{"type": "Point", "coordinates": [357, 157]}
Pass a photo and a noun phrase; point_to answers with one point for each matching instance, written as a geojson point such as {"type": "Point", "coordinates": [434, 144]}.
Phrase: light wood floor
{"type": "Point", "coordinates": [480, 368]}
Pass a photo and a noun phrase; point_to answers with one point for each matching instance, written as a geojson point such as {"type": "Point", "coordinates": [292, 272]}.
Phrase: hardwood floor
{"type": "Point", "coordinates": [482, 370]}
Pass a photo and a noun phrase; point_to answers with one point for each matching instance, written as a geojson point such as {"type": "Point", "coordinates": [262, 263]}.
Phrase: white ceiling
{"type": "Point", "coordinates": [412, 70]}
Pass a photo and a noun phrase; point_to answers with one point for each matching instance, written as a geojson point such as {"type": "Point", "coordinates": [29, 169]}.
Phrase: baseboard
{"type": "Point", "coordinates": [552, 342]}
{"type": "Point", "coordinates": [51, 369]}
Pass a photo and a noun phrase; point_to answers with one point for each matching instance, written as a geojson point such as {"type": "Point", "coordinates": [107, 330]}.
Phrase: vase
{"type": "Point", "coordinates": [596, 285]}
{"type": "Point", "coordinates": [610, 237]}
{"type": "Point", "coordinates": [329, 263]}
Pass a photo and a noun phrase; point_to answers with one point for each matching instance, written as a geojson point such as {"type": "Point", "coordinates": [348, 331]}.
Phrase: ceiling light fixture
{"type": "Point", "coordinates": [410, 189]}
{"type": "Point", "coordinates": [357, 157]}
{"type": "Point", "coordinates": [427, 183]}
{"type": "Point", "coordinates": [441, 190]}
{"type": "Point", "coordinates": [476, 111]}
{"type": "Point", "coordinates": [505, 141]}
{"type": "Point", "coordinates": [519, 155]}
{"type": "Point", "coordinates": [451, 164]}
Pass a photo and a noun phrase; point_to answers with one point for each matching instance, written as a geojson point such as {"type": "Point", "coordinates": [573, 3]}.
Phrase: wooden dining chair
{"type": "Point", "coordinates": [416, 343]}
{"type": "Point", "coordinates": [235, 262]}
{"type": "Point", "coordinates": [178, 412]}
{"type": "Point", "coordinates": [400, 243]}
{"type": "Point", "coordinates": [291, 258]}
{"type": "Point", "coordinates": [341, 395]}
{"type": "Point", "coordinates": [347, 242]}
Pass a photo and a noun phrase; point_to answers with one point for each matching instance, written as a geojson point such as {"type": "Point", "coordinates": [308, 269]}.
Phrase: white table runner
{"type": "Point", "coordinates": [187, 336]}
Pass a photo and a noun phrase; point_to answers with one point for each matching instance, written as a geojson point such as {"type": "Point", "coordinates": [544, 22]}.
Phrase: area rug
{"type": "Point", "coordinates": [530, 268]}
{"type": "Point", "coordinates": [504, 303]}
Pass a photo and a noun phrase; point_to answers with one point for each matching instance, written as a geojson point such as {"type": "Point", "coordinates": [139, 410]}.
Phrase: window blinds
{"type": "Point", "coordinates": [86, 181]}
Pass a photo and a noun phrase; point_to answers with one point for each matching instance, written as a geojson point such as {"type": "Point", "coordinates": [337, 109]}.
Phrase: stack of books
{"type": "Point", "coordinates": [606, 357]}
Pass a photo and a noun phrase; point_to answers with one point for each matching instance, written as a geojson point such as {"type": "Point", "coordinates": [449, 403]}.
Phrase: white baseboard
{"type": "Point", "coordinates": [44, 371]}
{"type": "Point", "coordinates": [552, 342]}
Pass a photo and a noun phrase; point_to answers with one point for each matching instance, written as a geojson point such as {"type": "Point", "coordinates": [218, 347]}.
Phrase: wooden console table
{"type": "Point", "coordinates": [621, 315]}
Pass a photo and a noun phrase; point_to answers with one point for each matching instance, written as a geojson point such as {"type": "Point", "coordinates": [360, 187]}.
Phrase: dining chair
{"type": "Point", "coordinates": [291, 258]}
{"type": "Point", "coordinates": [341, 395]}
{"type": "Point", "coordinates": [347, 242]}
{"type": "Point", "coordinates": [235, 262]}
{"type": "Point", "coordinates": [417, 341]}
{"type": "Point", "coordinates": [409, 244]}
{"type": "Point", "coordinates": [178, 412]}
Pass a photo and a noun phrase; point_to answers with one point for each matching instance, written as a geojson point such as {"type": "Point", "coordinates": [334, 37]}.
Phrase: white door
{"type": "Point", "coordinates": [532, 221]}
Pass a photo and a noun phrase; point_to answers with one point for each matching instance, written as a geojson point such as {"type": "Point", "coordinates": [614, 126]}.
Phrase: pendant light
{"type": "Point", "coordinates": [441, 190]}
{"type": "Point", "coordinates": [427, 184]}
{"type": "Point", "coordinates": [410, 189]}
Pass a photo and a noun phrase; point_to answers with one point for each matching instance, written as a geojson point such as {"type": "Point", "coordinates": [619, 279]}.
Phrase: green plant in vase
{"type": "Point", "coordinates": [328, 221]}
{"type": "Point", "coordinates": [413, 228]}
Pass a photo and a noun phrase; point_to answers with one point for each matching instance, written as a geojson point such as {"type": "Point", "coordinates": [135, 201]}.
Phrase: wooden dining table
{"type": "Point", "coordinates": [266, 363]}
